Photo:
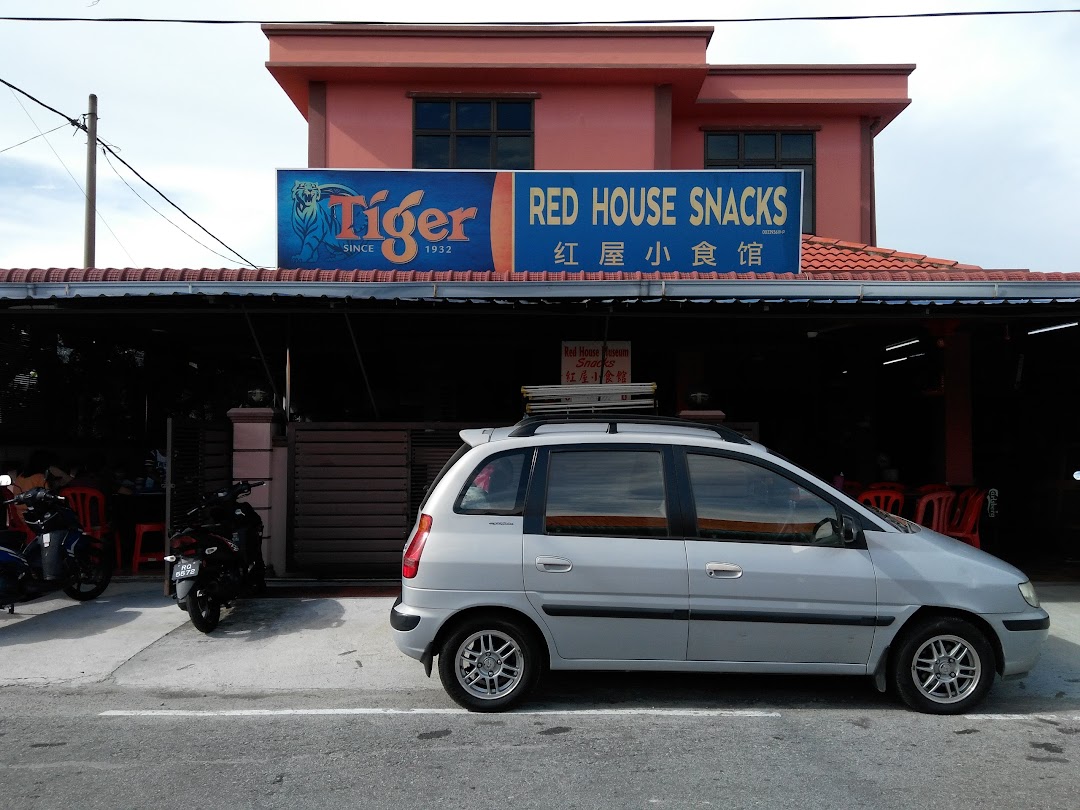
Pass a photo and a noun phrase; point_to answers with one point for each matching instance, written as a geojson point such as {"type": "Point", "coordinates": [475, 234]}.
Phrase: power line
{"type": "Point", "coordinates": [80, 125]}
{"type": "Point", "coordinates": [165, 197]}
{"type": "Point", "coordinates": [152, 208]}
{"type": "Point", "coordinates": [801, 18]}
{"type": "Point", "coordinates": [39, 135]}
{"type": "Point", "coordinates": [73, 180]}
{"type": "Point", "coordinates": [73, 121]}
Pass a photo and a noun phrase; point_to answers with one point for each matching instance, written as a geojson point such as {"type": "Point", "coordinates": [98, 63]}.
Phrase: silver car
{"type": "Point", "coordinates": [647, 543]}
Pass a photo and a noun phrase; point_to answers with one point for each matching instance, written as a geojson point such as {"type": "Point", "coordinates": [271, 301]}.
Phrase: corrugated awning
{"type": "Point", "coordinates": [795, 289]}
{"type": "Point", "coordinates": [833, 273]}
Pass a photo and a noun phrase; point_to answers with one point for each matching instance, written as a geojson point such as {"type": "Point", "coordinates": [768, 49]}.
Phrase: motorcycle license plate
{"type": "Point", "coordinates": [185, 569]}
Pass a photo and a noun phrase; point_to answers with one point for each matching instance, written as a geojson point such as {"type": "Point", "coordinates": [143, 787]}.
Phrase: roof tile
{"type": "Point", "coordinates": [822, 258]}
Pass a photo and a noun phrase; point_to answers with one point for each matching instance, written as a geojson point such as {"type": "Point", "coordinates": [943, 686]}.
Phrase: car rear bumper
{"type": "Point", "coordinates": [413, 628]}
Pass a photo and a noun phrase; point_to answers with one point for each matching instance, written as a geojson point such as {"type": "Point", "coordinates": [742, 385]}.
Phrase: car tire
{"type": "Point", "coordinates": [943, 665]}
{"type": "Point", "coordinates": [489, 664]}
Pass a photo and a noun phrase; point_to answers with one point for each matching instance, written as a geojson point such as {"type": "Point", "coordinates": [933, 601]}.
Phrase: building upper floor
{"type": "Point", "coordinates": [587, 98]}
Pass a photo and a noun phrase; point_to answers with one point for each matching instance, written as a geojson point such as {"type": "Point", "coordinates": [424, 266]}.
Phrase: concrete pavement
{"type": "Point", "coordinates": [135, 638]}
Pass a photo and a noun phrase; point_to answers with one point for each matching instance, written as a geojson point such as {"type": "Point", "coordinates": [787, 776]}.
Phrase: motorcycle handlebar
{"type": "Point", "coordinates": [35, 496]}
{"type": "Point", "coordinates": [225, 494]}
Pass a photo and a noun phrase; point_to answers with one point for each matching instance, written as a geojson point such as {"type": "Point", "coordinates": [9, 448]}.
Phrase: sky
{"type": "Point", "coordinates": [983, 167]}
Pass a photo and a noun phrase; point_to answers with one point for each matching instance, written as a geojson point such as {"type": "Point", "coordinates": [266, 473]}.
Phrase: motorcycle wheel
{"type": "Point", "coordinates": [258, 582]}
{"type": "Point", "coordinates": [204, 610]}
{"type": "Point", "coordinates": [88, 580]}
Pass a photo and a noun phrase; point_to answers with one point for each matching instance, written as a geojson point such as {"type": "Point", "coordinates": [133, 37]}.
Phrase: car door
{"type": "Point", "coordinates": [601, 563]}
{"type": "Point", "coordinates": [770, 578]}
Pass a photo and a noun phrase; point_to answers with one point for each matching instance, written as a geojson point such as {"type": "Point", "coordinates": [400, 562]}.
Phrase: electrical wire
{"type": "Point", "coordinates": [34, 138]}
{"type": "Point", "coordinates": [105, 153]}
{"type": "Point", "coordinates": [801, 18]}
{"type": "Point", "coordinates": [165, 197]}
{"type": "Point", "coordinates": [73, 180]}
{"type": "Point", "coordinates": [80, 125]}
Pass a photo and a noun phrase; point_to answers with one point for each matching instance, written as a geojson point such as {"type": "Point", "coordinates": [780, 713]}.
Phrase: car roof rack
{"type": "Point", "coordinates": [588, 398]}
{"type": "Point", "coordinates": [530, 424]}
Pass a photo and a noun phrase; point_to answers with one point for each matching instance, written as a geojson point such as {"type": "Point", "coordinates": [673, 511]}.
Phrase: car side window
{"type": "Point", "coordinates": [496, 486]}
{"type": "Point", "coordinates": [603, 492]}
{"type": "Point", "coordinates": [739, 500]}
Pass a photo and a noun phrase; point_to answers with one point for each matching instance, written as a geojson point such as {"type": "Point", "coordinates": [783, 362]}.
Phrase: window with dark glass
{"type": "Point", "coordinates": [741, 501]}
{"type": "Point", "coordinates": [472, 134]}
{"type": "Point", "coordinates": [766, 150]}
{"type": "Point", "coordinates": [611, 493]}
{"type": "Point", "coordinates": [496, 486]}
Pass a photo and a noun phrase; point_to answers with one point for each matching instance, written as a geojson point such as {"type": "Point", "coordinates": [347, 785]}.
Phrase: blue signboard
{"type": "Point", "coordinates": [714, 221]}
{"type": "Point", "coordinates": [709, 221]}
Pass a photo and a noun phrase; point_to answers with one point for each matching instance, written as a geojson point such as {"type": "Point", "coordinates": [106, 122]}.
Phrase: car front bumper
{"type": "Point", "coordinates": [1022, 637]}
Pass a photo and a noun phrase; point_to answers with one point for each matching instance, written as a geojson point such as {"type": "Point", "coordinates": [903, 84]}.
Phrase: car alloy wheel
{"type": "Point", "coordinates": [946, 669]}
{"type": "Point", "coordinates": [489, 665]}
{"type": "Point", "coordinates": [943, 665]}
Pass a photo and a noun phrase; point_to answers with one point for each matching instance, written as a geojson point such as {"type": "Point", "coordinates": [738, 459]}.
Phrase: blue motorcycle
{"type": "Point", "coordinates": [60, 556]}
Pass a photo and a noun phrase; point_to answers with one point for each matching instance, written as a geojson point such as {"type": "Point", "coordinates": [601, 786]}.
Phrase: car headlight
{"type": "Point", "coordinates": [1027, 590]}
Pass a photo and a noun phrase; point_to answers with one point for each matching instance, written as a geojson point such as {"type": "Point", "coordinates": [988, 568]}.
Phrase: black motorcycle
{"type": "Point", "coordinates": [218, 556]}
{"type": "Point", "coordinates": [60, 555]}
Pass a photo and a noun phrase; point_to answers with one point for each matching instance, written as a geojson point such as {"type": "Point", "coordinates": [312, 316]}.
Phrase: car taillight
{"type": "Point", "coordinates": [411, 561]}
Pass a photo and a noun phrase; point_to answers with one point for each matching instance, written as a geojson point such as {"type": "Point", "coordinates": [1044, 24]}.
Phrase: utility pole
{"type": "Point", "coordinates": [91, 185]}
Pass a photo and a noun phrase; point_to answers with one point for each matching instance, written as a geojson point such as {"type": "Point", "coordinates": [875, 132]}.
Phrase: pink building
{"type": "Point", "coordinates": [859, 360]}
{"type": "Point", "coordinates": [640, 98]}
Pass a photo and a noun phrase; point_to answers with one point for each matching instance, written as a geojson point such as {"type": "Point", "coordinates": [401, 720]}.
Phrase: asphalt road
{"type": "Point", "coordinates": [305, 702]}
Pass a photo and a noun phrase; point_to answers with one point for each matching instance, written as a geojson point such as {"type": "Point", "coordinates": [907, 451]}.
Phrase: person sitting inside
{"type": "Point", "coordinates": [95, 474]}
{"type": "Point", "coordinates": [38, 471]}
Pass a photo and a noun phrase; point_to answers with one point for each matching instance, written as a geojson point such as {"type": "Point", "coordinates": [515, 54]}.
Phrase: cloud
{"type": "Point", "coordinates": [980, 168]}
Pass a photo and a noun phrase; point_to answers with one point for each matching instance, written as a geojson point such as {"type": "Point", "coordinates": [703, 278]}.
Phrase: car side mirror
{"type": "Point", "coordinates": [825, 531]}
{"type": "Point", "coordinates": [849, 529]}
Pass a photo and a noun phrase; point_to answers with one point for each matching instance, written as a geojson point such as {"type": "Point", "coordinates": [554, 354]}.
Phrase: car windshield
{"type": "Point", "coordinates": [903, 524]}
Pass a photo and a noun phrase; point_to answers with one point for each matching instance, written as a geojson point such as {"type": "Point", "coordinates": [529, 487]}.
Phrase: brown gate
{"type": "Point", "coordinates": [354, 489]}
{"type": "Point", "coordinates": [200, 460]}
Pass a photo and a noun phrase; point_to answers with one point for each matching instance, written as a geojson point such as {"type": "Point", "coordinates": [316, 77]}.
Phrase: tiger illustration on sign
{"type": "Point", "coordinates": [313, 222]}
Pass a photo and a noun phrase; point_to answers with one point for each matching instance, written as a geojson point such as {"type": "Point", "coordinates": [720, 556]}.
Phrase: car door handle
{"type": "Point", "coordinates": [553, 565]}
{"type": "Point", "coordinates": [723, 570]}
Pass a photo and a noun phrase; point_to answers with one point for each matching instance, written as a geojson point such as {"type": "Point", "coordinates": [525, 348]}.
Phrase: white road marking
{"type": "Point", "coordinates": [1070, 718]}
{"type": "Point", "coordinates": [572, 712]}
{"type": "Point", "coordinates": [1055, 717]}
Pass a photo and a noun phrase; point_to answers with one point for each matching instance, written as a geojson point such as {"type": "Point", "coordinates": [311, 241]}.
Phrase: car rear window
{"type": "Point", "coordinates": [496, 486]}
{"type": "Point", "coordinates": [445, 469]}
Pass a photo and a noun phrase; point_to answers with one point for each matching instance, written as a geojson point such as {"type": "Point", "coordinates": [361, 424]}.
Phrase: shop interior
{"type": "Point", "coordinates": [838, 390]}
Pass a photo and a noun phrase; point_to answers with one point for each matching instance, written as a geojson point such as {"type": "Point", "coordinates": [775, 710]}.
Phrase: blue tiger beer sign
{"type": "Point", "coordinates": [636, 221]}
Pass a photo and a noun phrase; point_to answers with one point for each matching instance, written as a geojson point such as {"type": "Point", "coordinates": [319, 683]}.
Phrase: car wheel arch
{"type": "Point", "coordinates": [930, 612]}
{"type": "Point", "coordinates": [523, 620]}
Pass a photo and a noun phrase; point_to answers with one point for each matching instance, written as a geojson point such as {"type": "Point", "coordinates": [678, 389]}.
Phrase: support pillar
{"type": "Point", "coordinates": [959, 463]}
{"type": "Point", "coordinates": [254, 457]}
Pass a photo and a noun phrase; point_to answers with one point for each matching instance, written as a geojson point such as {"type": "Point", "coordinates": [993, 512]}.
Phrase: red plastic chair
{"type": "Point", "coordinates": [89, 505]}
{"type": "Point", "coordinates": [959, 505]}
{"type": "Point", "coordinates": [933, 509]}
{"type": "Point", "coordinates": [14, 519]}
{"type": "Point", "coordinates": [927, 488]}
{"type": "Point", "coordinates": [853, 488]}
{"type": "Point", "coordinates": [137, 555]}
{"type": "Point", "coordinates": [894, 485]}
{"type": "Point", "coordinates": [888, 500]}
{"type": "Point", "coordinates": [968, 528]}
